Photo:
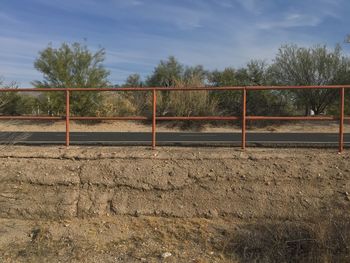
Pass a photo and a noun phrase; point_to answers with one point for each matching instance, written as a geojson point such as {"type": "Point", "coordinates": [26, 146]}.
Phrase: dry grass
{"type": "Point", "coordinates": [319, 240]}
{"type": "Point", "coordinates": [116, 104]}
{"type": "Point", "coordinates": [290, 241]}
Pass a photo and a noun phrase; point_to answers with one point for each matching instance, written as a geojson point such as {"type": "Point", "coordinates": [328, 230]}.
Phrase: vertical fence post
{"type": "Point", "coordinates": [244, 112]}
{"type": "Point", "coordinates": [341, 120]}
{"type": "Point", "coordinates": [154, 115]}
{"type": "Point", "coordinates": [67, 117]}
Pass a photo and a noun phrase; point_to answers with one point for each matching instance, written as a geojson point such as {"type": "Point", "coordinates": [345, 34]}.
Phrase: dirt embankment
{"type": "Point", "coordinates": [133, 204]}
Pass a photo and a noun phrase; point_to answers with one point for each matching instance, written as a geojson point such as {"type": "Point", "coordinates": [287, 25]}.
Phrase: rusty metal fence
{"type": "Point", "coordinates": [244, 117]}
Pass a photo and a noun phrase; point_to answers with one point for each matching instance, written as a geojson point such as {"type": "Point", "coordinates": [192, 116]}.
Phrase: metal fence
{"type": "Point", "coordinates": [243, 118]}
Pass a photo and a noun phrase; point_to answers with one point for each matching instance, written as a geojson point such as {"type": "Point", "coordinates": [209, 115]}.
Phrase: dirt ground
{"type": "Point", "coordinates": [131, 126]}
{"type": "Point", "coordinates": [173, 204]}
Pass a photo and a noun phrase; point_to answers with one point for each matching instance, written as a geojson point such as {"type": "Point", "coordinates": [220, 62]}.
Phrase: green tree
{"type": "Point", "coordinates": [72, 66]}
{"type": "Point", "coordinates": [229, 102]}
{"type": "Point", "coordinates": [256, 72]}
{"type": "Point", "coordinates": [169, 73]}
{"type": "Point", "coordinates": [133, 81]}
{"type": "Point", "coordinates": [197, 73]}
{"type": "Point", "coordinates": [166, 73]}
{"type": "Point", "coordinates": [10, 102]}
{"type": "Point", "coordinates": [263, 102]}
{"type": "Point", "coordinates": [317, 65]}
{"type": "Point", "coordinates": [227, 77]}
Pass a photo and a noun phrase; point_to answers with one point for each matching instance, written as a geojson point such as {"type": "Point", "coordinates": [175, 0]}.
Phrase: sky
{"type": "Point", "coordinates": [137, 34]}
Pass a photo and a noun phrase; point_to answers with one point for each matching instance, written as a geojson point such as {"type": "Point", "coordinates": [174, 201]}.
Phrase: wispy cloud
{"type": "Point", "coordinates": [292, 20]}
{"type": "Point", "coordinates": [253, 6]}
{"type": "Point", "coordinates": [139, 33]}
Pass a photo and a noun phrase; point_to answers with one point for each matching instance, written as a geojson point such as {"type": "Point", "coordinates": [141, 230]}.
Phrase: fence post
{"type": "Point", "coordinates": [341, 120]}
{"type": "Point", "coordinates": [154, 115]}
{"type": "Point", "coordinates": [244, 112]}
{"type": "Point", "coordinates": [67, 118]}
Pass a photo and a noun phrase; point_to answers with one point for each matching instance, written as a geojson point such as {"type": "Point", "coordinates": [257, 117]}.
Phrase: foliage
{"type": "Point", "coordinates": [9, 101]}
{"type": "Point", "coordinates": [140, 100]}
{"type": "Point", "coordinates": [133, 81]}
{"type": "Point", "coordinates": [166, 73]}
{"type": "Point", "coordinates": [258, 102]}
{"type": "Point", "coordinates": [72, 66]}
{"type": "Point", "coordinates": [295, 65]}
{"type": "Point", "coordinates": [190, 103]}
{"type": "Point", "coordinates": [170, 73]}
{"type": "Point", "coordinates": [75, 66]}
{"type": "Point", "coordinates": [116, 104]}
{"type": "Point", "coordinates": [187, 103]}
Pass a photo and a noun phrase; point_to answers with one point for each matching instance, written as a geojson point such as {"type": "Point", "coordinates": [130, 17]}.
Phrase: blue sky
{"type": "Point", "coordinates": [137, 34]}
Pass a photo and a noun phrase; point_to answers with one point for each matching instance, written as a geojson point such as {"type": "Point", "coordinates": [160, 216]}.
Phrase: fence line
{"type": "Point", "coordinates": [244, 118]}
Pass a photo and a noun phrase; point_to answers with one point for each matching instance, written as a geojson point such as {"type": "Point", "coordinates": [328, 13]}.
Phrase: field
{"type": "Point", "coordinates": [132, 204]}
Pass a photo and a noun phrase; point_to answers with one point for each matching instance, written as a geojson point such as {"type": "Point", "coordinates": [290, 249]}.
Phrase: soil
{"type": "Point", "coordinates": [132, 126]}
{"type": "Point", "coordinates": [173, 204]}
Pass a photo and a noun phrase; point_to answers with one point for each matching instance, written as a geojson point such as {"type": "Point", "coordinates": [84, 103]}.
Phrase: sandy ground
{"type": "Point", "coordinates": [133, 204]}
{"type": "Point", "coordinates": [130, 126]}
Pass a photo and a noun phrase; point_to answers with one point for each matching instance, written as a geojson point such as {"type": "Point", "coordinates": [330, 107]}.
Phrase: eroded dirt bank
{"type": "Point", "coordinates": [133, 204]}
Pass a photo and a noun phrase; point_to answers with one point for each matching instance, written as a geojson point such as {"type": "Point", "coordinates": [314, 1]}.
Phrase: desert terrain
{"type": "Point", "coordinates": [134, 126]}
{"type": "Point", "coordinates": [174, 204]}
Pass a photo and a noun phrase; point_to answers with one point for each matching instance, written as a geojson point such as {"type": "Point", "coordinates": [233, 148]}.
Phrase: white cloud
{"type": "Point", "coordinates": [139, 33]}
{"type": "Point", "coordinates": [292, 20]}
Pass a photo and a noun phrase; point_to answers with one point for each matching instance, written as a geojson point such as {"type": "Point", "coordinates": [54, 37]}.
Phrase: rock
{"type": "Point", "coordinates": [252, 158]}
{"type": "Point", "coordinates": [137, 213]}
{"type": "Point", "coordinates": [214, 213]}
{"type": "Point", "coordinates": [166, 255]}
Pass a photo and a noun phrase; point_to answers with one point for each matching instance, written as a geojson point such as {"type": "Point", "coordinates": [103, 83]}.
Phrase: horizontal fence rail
{"type": "Point", "coordinates": [243, 118]}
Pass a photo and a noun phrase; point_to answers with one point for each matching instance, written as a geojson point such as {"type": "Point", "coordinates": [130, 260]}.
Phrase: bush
{"type": "Point", "coordinates": [186, 103]}
{"type": "Point", "coordinates": [116, 104]}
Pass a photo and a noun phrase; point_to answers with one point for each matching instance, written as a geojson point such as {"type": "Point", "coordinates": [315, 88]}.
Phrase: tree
{"type": "Point", "coordinates": [229, 101]}
{"type": "Point", "coordinates": [227, 77]}
{"type": "Point", "coordinates": [169, 73]}
{"type": "Point", "coordinates": [258, 102]}
{"type": "Point", "coordinates": [10, 102]}
{"type": "Point", "coordinates": [197, 72]}
{"type": "Point", "coordinates": [166, 73]}
{"type": "Point", "coordinates": [262, 102]}
{"type": "Point", "coordinates": [72, 66]}
{"type": "Point", "coordinates": [133, 81]}
{"type": "Point", "coordinates": [295, 65]}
